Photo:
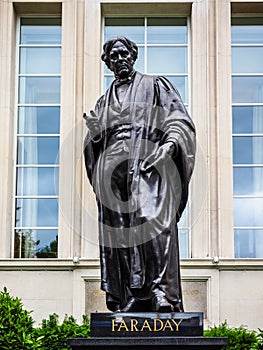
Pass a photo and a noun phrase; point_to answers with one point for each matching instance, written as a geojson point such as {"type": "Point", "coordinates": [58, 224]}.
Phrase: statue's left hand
{"type": "Point", "coordinates": [164, 152]}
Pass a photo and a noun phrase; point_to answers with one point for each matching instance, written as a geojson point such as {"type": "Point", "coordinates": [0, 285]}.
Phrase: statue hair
{"type": "Point", "coordinates": [131, 46]}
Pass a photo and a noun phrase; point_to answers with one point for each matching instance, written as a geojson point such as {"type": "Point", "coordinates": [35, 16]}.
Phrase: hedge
{"type": "Point", "coordinates": [17, 331]}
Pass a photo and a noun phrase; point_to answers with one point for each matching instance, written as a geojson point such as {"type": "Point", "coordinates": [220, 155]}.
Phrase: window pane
{"type": "Point", "coordinates": [40, 60]}
{"type": "Point", "coordinates": [248, 181]}
{"type": "Point", "coordinates": [248, 150]}
{"type": "Point", "coordinates": [38, 150]}
{"type": "Point", "coordinates": [248, 34]}
{"type": "Point", "coordinates": [31, 212]}
{"type": "Point", "coordinates": [108, 81]}
{"type": "Point", "coordinates": [38, 120]}
{"type": "Point", "coordinates": [242, 62]}
{"type": "Point", "coordinates": [247, 119]}
{"type": "Point", "coordinates": [247, 57]}
{"type": "Point", "coordinates": [39, 54]}
{"type": "Point", "coordinates": [183, 243]}
{"type": "Point", "coordinates": [37, 181]}
{"type": "Point", "coordinates": [167, 30]}
{"type": "Point", "coordinates": [132, 28]}
{"type": "Point", "coordinates": [167, 60]}
{"type": "Point", "coordinates": [40, 31]}
{"type": "Point", "coordinates": [248, 211]}
{"type": "Point", "coordinates": [247, 89]}
{"type": "Point", "coordinates": [139, 64]}
{"type": "Point", "coordinates": [36, 243]}
{"type": "Point", "coordinates": [248, 243]}
{"type": "Point", "coordinates": [39, 90]}
{"type": "Point", "coordinates": [181, 84]}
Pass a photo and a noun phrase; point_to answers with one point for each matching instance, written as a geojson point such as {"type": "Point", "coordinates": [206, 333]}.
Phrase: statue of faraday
{"type": "Point", "coordinates": [139, 156]}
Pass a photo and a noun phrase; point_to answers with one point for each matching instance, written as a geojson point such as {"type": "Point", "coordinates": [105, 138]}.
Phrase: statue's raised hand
{"type": "Point", "coordinates": [93, 125]}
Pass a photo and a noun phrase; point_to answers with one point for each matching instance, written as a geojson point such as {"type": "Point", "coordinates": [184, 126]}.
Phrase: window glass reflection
{"type": "Point", "coordinates": [132, 28]}
{"type": "Point", "coordinates": [167, 30]}
{"type": "Point", "coordinates": [32, 212]}
{"type": "Point", "coordinates": [247, 89]}
{"type": "Point", "coordinates": [248, 181]}
{"type": "Point", "coordinates": [247, 150]}
{"type": "Point", "coordinates": [181, 84]}
{"type": "Point", "coordinates": [32, 243]}
{"type": "Point", "coordinates": [108, 81]}
{"type": "Point", "coordinates": [39, 120]}
{"type": "Point", "coordinates": [39, 90]}
{"type": "Point", "coordinates": [40, 60]}
{"type": "Point", "coordinates": [38, 150]}
{"type": "Point", "coordinates": [241, 59]}
{"type": "Point", "coordinates": [183, 236]}
{"type": "Point", "coordinates": [40, 31]}
{"type": "Point", "coordinates": [34, 181]}
{"type": "Point", "coordinates": [247, 119]}
{"type": "Point", "coordinates": [175, 59]}
{"type": "Point", "coordinates": [248, 34]}
{"type": "Point", "coordinates": [248, 212]}
{"type": "Point", "coordinates": [248, 243]}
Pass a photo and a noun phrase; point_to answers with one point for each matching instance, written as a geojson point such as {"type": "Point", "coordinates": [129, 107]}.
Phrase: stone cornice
{"type": "Point", "coordinates": [70, 265]}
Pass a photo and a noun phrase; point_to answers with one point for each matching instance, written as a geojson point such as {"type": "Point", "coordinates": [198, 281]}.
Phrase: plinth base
{"type": "Point", "coordinates": [146, 343]}
{"type": "Point", "coordinates": [147, 331]}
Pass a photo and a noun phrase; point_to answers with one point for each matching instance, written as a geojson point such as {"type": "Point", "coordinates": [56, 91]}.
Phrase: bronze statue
{"type": "Point", "coordinates": [139, 155]}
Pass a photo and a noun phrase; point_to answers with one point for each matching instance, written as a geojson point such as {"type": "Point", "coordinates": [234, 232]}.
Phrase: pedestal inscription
{"type": "Point", "coordinates": [150, 324]}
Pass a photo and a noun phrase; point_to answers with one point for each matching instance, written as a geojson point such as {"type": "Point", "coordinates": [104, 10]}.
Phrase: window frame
{"type": "Point", "coordinates": [16, 134]}
{"type": "Point", "coordinates": [187, 214]}
{"type": "Point", "coordinates": [241, 17]}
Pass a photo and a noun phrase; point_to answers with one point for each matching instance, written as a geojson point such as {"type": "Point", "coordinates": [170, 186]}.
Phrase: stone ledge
{"type": "Point", "coordinates": [166, 343]}
{"type": "Point", "coordinates": [12, 264]}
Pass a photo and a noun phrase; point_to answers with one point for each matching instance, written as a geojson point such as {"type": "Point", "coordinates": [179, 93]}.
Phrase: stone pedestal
{"type": "Point", "coordinates": [164, 343]}
{"type": "Point", "coordinates": [147, 331]}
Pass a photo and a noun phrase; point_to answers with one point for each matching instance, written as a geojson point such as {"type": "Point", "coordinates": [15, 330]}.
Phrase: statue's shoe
{"type": "Point", "coordinates": [113, 306]}
{"type": "Point", "coordinates": [161, 304]}
{"type": "Point", "coordinates": [130, 306]}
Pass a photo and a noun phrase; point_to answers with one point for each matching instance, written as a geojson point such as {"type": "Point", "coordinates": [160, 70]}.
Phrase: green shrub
{"type": "Point", "coordinates": [17, 331]}
{"type": "Point", "coordinates": [16, 325]}
{"type": "Point", "coordinates": [53, 335]}
{"type": "Point", "coordinates": [260, 339]}
{"type": "Point", "coordinates": [238, 338]}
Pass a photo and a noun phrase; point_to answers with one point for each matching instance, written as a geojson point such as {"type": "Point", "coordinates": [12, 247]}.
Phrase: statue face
{"type": "Point", "coordinates": [121, 60]}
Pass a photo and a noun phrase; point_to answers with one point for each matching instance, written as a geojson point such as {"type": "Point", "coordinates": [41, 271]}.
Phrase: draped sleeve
{"type": "Point", "coordinates": [177, 127]}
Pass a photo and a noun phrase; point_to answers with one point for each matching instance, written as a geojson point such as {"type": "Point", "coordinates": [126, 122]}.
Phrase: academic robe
{"type": "Point", "coordinates": [138, 211]}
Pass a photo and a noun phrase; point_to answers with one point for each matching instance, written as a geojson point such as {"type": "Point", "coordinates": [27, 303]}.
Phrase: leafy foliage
{"type": "Point", "coordinates": [25, 244]}
{"type": "Point", "coordinates": [260, 339]}
{"type": "Point", "coordinates": [49, 251]}
{"type": "Point", "coordinates": [17, 330]}
{"type": "Point", "coordinates": [53, 335]}
{"type": "Point", "coordinates": [238, 338]}
{"type": "Point", "coordinates": [16, 324]}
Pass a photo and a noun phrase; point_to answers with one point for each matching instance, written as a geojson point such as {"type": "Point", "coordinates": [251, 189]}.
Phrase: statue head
{"type": "Point", "coordinates": [120, 54]}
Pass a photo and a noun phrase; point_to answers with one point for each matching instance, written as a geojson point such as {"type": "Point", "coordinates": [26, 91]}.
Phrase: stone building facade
{"type": "Point", "coordinates": [50, 72]}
